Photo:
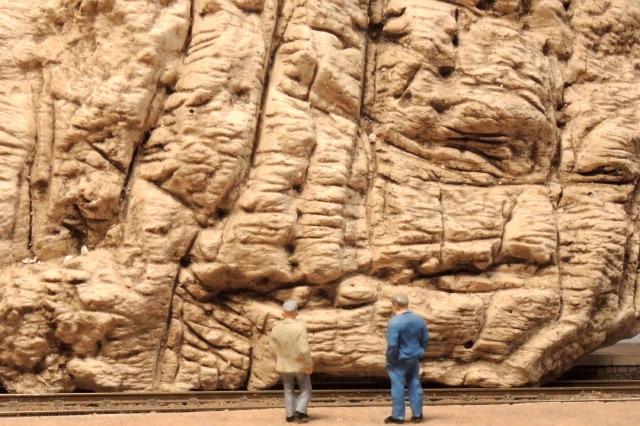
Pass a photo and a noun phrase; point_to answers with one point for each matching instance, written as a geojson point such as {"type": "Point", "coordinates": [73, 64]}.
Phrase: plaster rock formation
{"type": "Point", "coordinates": [172, 170]}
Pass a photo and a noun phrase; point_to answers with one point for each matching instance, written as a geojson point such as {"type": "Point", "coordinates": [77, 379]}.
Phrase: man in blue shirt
{"type": "Point", "coordinates": [407, 339]}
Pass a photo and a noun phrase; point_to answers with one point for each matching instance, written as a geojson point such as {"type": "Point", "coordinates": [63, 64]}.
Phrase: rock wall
{"type": "Point", "coordinates": [172, 170]}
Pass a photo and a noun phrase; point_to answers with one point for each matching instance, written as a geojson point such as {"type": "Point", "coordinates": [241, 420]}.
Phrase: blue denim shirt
{"type": "Point", "coordinates": [407, 337]}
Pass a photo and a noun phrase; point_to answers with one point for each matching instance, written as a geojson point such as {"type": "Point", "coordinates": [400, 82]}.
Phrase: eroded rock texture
{"type": "Point", "coordinates": [172, 170]}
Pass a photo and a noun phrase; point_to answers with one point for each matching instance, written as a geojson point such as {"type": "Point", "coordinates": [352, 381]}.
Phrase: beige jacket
{"type": "Point", "coordinates": [288, 343]}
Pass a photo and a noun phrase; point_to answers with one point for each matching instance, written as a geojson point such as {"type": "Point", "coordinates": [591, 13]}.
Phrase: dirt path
{"type": "Point", "coordinates": [540, 414]}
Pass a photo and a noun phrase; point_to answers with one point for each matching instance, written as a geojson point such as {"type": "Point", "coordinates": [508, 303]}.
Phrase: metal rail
{"type": "Point", "coordinates": [606, 383]}
{"type": "Point", "coordinates": [12, 405]}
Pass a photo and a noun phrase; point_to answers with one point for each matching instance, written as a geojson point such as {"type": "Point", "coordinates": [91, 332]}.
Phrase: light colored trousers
{"type": "Point", "coordinates": [304, 383]}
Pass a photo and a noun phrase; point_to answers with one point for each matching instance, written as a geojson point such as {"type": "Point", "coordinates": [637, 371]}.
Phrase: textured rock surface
{"type": "Point", "coordinates": [171, 170]}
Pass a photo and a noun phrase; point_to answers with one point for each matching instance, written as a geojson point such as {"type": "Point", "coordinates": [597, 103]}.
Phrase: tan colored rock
{"type": "Point", "coordinates": [172, 171]}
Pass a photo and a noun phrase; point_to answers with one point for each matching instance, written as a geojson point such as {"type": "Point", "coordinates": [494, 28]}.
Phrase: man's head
{"type": "Point", "coordinates": [400, 302]}
{"type": "Point", "coordinates": [289, 309]}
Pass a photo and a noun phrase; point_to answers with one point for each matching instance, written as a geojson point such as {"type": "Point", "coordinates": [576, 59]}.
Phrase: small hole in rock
{"type": "Point", "coordinates": [445, 71]}
{"type": "Point", "coordinates": [485, 4]}
{"type": "Point", "coordinates": [185, 261]}
{"type": "Point", "coordinates": [221, 213]}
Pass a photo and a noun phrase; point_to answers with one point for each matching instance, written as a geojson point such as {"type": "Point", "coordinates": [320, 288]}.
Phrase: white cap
{"type": "Point", "coordinates": [289, 306]}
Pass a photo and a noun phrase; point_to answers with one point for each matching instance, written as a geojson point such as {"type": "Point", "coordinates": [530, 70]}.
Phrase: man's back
{"type": "Point", "coordinates": [407, 337]}
{"type": "Point", "coordinates": [288, 343]}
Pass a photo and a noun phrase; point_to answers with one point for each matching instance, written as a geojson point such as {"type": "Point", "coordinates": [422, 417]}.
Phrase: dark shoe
{"type": "Point", "coordinates": [302, 417]}
{"type": "Point", "coordinates": [417, 419]}
{"type": "Point", "coordinates": [391, 419]}
{"type": "Point", "coordinates": [291, 419]}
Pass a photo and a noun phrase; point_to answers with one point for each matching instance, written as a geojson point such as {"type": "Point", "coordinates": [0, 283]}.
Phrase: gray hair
{"type": "Point", "coordinates": [400, 300]}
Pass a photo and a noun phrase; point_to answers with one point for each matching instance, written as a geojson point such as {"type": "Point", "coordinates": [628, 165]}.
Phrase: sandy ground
{"type": "Point", "coordinates": [538, 414]}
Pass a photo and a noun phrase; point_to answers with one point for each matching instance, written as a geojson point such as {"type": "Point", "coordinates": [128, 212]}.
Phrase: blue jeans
{"type": "Point", "coordinates": [304, 383]}
{"type": "Point", "coordinates": [399, 373]}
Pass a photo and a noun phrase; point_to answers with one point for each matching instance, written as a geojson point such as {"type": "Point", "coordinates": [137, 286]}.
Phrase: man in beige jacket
{"type": "Point", "coordinates": [288, 343]}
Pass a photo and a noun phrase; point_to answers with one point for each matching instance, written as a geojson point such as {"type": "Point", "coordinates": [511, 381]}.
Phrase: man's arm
{"type": "Point", "coordinates": [305, 351]}
{"type": "Point", "coordinates": [425, 336]}
{"type": "Point", "coordinates": [393, 335]}
{"type": "Point", "coordinates": [272, 344]}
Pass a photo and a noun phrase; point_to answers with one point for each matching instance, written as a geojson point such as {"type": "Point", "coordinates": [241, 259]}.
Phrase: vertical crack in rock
{"type": "Point", "coordinates": [325, 201]}
{"type": "Point", "coordinates": [361, 148]}
{"type": "Point", "coordinates": [157, 377]}
{"type": "Point", "coordinates": [367, 104]}
{"type": "Point", "coordinates": [163, 342]}
{"type": "Point", "coordinates": [125, 194]}
{"type": "Point", "coordinates": [17, 134]}
{"type": "Point", "coordinates": [559, 262]}
{"type": "Point", "coordinates": [30, 228]}
{"type": "Point", "coordinates": [273, 46]}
